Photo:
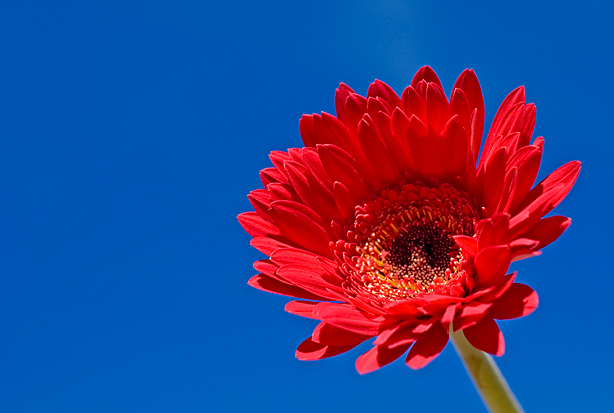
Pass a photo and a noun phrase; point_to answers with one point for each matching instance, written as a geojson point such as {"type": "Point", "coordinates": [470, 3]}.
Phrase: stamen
{"type": "Point", "coordinates": [404, 246]}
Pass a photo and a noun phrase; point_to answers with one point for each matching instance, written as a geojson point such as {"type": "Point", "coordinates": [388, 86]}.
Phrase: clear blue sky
{"type": "Point", "coordinates": [131, 132]}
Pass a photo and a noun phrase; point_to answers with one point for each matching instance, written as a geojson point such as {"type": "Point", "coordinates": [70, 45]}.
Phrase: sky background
{"type": "Point", "coordinates": [131, 133]}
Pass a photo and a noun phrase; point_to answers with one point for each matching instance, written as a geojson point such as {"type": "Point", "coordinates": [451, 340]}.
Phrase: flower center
{"type": "Point", "coordinates": [421, 251]}
{"type": "Point", "coordinates": [403, 245]}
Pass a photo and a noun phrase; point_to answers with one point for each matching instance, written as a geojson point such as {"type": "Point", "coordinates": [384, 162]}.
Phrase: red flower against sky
{"type": "Point", "coordinates": [386, 224]}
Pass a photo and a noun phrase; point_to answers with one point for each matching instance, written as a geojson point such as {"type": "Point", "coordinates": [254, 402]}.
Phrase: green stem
{"type": "Point", "coordinates": [486, 376]}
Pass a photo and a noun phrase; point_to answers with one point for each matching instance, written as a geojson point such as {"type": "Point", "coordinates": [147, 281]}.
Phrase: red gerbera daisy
{"type": "Point", "coordinates": [386, 224]}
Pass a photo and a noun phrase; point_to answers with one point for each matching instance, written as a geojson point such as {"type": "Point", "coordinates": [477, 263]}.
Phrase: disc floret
{"type": "Point", "coordinates": [404, 246]}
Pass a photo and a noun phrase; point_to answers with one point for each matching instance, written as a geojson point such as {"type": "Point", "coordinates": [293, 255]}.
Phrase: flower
{"type": "Point", "coordinates": [389, 224]}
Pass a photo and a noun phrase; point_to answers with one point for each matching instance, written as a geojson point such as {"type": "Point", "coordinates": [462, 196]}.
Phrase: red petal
{"type": "Point", "coordinates": [267, 245]}
{"type": "Point", "coordinates": [268, 284]}
{"type": "Point", "coordinates": [490, 295]}
{"type": "Point", "coordinates": [312, 193]}
{"type": "Point", "coordinates": [378, 357]}
{"type": "Point", "coordinates": [301, 225]}
{"type": "Point", "coordinates": [459, 105]}
{"type": "Point", "coordinates": [344, 200]}
{"type": "Point", "coordinates": [377, 105]}
{"type": "Point", "coordinates": [500, 125]}
{"type": "Point", "coordinates": [341, 95]}
{"type": "Point", "coordinates": [355, 108]}
{"type": "Point", "coordinates": [548, 230]}
{"type": "Point", "coordinates": [486, 336]}
{"type": "Point", "coordinates": [277, 159]}
{"type": "Point", "coordinates": [520, 300]}
{"type": "Point", "coordinates": [413, 104]}
{"type": "Point", "coordinates": [280, 192]}
{"type": "Point", "coordinates": [424, 150]}
{"type": "Point", "coordinates": [491, 264]}
{"type": "Point", "coordinates": [379, 157]}
{"type": "Point", "coordinates": [272, 175]}
{"type": "Point", "coordinates": [522, 246]}
{"type": "Point", "coordinates": [311, 159]}
{"type": "Point", "coordinates": [448, 316]}
{"type": "Point", "coordinates": [396, 143]}
{"type": "Point", "coordinates": [469, 83]}
{"type": "Point", "coordinates": [494, 174]}
{"type": "Point", "coordinates": [382, 90]}
{"type": "Point", "coordinates": [453, 147]}
{"type": "Point", "coordinates": [428, 74]}
{"type": "Point", "coordinates": [310, 350]}
{"type": "Point", "coordinates": [509, 189]}
{"type": "Point", "coordinates": [347, 318]}
{"type": "Point", "coordinates": [267, 267]}
{"type": "Point", "coordinates": [407, 308]}
{"type": "Point", "coordinates": [566, 176]}
{"type": "Point", "coordinates": [427, 348]}
{"type": "Point", "coordinates": [526, 130]}
{"type": "Point", "coordinates": [302, 277]}
{"type": "Point", "coordinates": [392, 330]}
{"type": "Point", "coordinates": [471, 314]}
{"type": "Point", "coordinates": [341, 167]}
{"type": "Point", "coordinates": [468, 244]}
{"type": "Point", "coordinates": [493, 231]}
{"type": "Point", "coordinates": [256, 226]}
{"type": "Point", "coordinates": [305, 126]}
{"type": "Point", "coordinates": [338, 134]}
{"type": "Point", "coordinates": [527, 160]}
{"type": "Point", "coordinates": [261, 201]}
{"type": "Point", "coordinates": [305, 259]}
{"type": "Point", "coordinates": [302, 308]}
{"type": "Point", "coordinates": [437, 108]}
{"type": "Point", "coordinates": [334, 336]}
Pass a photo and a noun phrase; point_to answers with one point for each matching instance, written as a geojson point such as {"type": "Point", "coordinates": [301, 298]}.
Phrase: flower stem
{"type": "Point", "coordinates": [486, 376]}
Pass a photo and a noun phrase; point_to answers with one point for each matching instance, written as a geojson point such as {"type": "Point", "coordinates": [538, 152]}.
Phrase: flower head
{"type": "Point", "coordinates": [389, 224]}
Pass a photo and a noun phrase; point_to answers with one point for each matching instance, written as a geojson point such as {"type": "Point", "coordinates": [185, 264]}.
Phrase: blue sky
{"type": "Point", "coordinates": [131, 132]}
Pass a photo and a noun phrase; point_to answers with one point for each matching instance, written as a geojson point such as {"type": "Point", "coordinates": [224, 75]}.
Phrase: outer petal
{"type": "Point", "coordinates": [341, 167]}
{"type": "Point", "coordinates": [471, 314]}
{"type": "Point", "coordinates": [528, 217]}
{"type": "Point", "coordinates": [413, 104]}
{"type": "Point", "coordinates": [468, 83]}
{"type": "Point", "coordinates": [565, 176]}
{"type": "Point", "coordinates": [255, 226]}
{"type": "Point", "coordinates": [330, 335]}
{"type": "Point", "coordinates": [527, 159]}
{"type": "Point", "coordinates": [424, 149]}
{"type": "Point", "coordinates": [385, 92]}
{"type": "Point", "coordinates": [469, 245]}
{"type": "Point", "coordinates": [453, 147]}
{"type": "Point", "coordinates": [437, 108]}
{"type": "Point", "coordinates": [494, 173]}
{"type": "Point", "coordinates": [486, 336]}
{"type": "Point", "coordinates": [426, 349]}
{"type": "Point", "coordinates": [428, 74]}
{"type": "Point", "coordinates": [302, 308]}
{"type": "Point", "coordinates": [310, 350]}
{"type": "Point", "coordinates": [491, 264]}
{"type": "Point", "coordinates": [341, 96]}
{"type": "Point", "coordinates": [520, 300]}
{"type": "Point", "coordinates": [300, 225]}
{"type": "Point", "coordinates": [378, 357]}
{"type": "Point", "coordinates": [379, 157]}
{"type": "Point", "coordinates": [503, 123]}
{"type": "Point", "coordinates": [267, 245]}
{"type": "Point", "coordinates": [548, 229]}
{"type": "Point", "coordinates": [270, 285]}
{"type": "Point", "coordinates": [347, 318]}
{"type": "Point", "coordinates": [302, 277]}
